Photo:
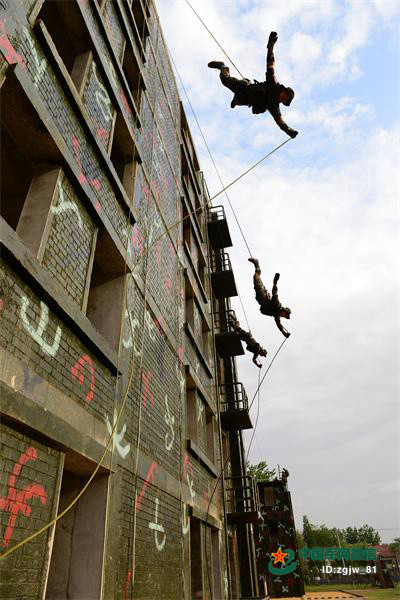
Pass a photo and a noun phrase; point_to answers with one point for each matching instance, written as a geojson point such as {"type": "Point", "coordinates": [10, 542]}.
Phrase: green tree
{"type": "Point", "coordinates": [261, 471]}
{"type": "Point", "coordinates": [395, 547]}
{"type": "Point", "coordinates": [356, 535]}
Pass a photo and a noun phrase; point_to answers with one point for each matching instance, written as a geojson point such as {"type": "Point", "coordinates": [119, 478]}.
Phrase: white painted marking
{"type": "Point", "coordinates": [37, 333]}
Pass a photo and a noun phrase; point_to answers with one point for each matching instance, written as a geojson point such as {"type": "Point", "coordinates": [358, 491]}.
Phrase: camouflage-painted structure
{"type": "Point", "coordinates": [280, 579]}
{"type": "Point", "coordinates": [111, 326]}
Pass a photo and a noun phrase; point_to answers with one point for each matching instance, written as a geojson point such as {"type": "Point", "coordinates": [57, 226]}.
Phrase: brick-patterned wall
{"type": "Point", "coordinates": [29, 474]}
{"type": "Point", "coordinates": [68, 248]}
{"type": "Point", "coordinates": [158, 549]}
{"type": "Point", "coordinates": [57, 356]}
{"type": "Point", "coordinates": [113, 28]}
{"type": "Point", "coordinates": [98, 104]}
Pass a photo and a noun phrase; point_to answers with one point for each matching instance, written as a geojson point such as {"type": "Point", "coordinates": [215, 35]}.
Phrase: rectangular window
{"type": "Point", "coordinates": [210, 433]}
{"type": "Point", "coordinates": [196, 562]}
{"type": "Point", "coordinates": [106, 292]}
{"type": "Point", "coordinates": [77, 555]}
{"type": "Point", "coordinates": [28, 155]}
{"type": "Point", "coordinates": [65, 24]}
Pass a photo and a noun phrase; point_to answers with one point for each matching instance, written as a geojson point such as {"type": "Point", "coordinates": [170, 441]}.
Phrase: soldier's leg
{"type": "Point", "coordinates": [237, 86]}
{"type": "Point", "coordinates": [261, 292]}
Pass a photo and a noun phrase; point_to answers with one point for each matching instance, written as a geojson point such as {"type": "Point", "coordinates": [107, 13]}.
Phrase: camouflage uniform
{"type": "Point", "coordinates": [260, 96]}
{"type": "Point", "coordinates": [245, 336]}
{"type": "Point", "coordinates": [269, 306]}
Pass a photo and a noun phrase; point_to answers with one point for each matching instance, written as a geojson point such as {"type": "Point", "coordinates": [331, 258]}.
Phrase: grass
{"type": "Point", "coordinates": [371, 593]}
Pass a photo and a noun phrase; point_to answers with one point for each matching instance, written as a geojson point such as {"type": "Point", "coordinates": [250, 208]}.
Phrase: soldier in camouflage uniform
{"type": "Point", "coordinates": [263, 96]}
{"type": "Point", "coordinates": [251, 344]}
{"type": "Point", "coordinates": [270, 305]}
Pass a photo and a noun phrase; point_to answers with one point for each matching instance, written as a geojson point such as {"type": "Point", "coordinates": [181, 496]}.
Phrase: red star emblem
{"type": "Point", "coordinates": [279, 556]}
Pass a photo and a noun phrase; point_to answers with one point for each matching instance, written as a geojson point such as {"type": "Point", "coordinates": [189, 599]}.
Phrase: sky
{"type": "Point", "coordinates": [323, 212]}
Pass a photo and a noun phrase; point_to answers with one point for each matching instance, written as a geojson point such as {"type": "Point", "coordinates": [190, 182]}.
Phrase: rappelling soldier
{"type": "Point", "coordinates": [261, 96]}
{"type": "Point", "coordinates": [270, 305]}
{"type": "Point", "coordinates": [251, 344]}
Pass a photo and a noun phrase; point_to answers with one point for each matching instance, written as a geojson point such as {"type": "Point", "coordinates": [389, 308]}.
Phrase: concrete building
{"type": "Point", "coordinates": [117, 358]}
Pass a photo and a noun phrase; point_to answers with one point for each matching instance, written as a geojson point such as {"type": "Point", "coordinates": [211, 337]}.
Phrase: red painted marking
{"type": "Point", "coordinates": [12, 55]}
{"type": "Point", "coordinates": [150, 476]}
{"type": "Point", "coordinates": [171, 249]}
{"type": "Point", "coordinates": [95, 183]}
{"type": "Point", "coordinates": [137, 240]}
{"type": "Point", "coordinates": [147, 395]}
{"type": "Point", "coordinates": [125, 102]}
{"type": "Point", "coordinates": [98, 206]}
{"type": "Point", "coordinates": [101, 133]}
{"type": "Point", "coordinates": [18, 501]}
{"type": "Point", "coordinates": [1, 304]}
{"type": "Point", "coordinates": [205, 499]}
{"type": "Point", "coordinates": [78, 366]}
{"type": "Point", "coordinates": [127, 582]}
{"type": "Point", "coordinates": [76, 147]}
{"type": "Point", "coordinates": [158, 323]}
{"type": "Point", "coordinates": [186, 464]}
{"type": "Point", "coordinates": [180, 354]}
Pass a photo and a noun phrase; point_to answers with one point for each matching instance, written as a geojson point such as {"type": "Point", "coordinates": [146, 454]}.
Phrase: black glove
{"type": "Point", "coordinates": [292, 133]}
{"type": "Point", "coordinates": [276, 278]}
{"type": "Point", "coordinates": [273, 36]}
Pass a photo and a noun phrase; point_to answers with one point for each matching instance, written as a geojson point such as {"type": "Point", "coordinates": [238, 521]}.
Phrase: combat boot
{"type": "Point", "coordinates": [215, 64]}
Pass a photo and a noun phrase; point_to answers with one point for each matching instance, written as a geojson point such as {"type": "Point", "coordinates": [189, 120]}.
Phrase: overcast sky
{"type": "Point", "coordinates": [322, 212]}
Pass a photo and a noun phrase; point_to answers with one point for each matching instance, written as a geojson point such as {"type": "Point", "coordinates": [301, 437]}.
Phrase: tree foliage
{"type": "Point", "coordinates": [355, 535]}
{"type": "Point", "coordinates": [261, 471]}
{"type": "Point", "coordinates": [321, 536]}
{"type": "Point", "coordinates": [395, 547]}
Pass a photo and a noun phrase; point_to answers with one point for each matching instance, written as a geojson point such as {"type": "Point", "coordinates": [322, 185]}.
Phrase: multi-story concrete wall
{"type": "Point", "coordinates": [108, 362]}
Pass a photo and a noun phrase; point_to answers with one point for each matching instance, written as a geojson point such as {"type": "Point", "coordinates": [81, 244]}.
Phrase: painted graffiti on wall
{"type": "Point", "coordinates": [37, 334]}
{"type": "Point", "coordinates": [64, 205]}
{"type": "Point", "coordinates": [17, 501]}
{"type": "Point", "coordinates": [185, 520]}
{"type": "Point", "coordinates": [158, 528]}
{"type": "Point", "coordinates": [123, 451]}
{"type": "Point", "coordinates": [200, 411]}
{"type": "Point", "coordinates": [149, 477]}
{"type": "Point", "coordinates": [79, 368]}
{"type": "Point", "coordinates": [40, 65]}
{"type": "Point", "coordinates": [188, 474]}
{"type": "Point", "coordinates": [10, 54]}
{"type": "Point", "coordinates": [94, 182]}
{"type": "Point", "coordinates": [170, 422]}
{"type": "Point", "coordinates": [102, 98]}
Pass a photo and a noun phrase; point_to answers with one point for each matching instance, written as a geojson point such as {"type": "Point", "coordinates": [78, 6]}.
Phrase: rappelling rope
{"type": "Point", "coordinates": [217, 172]}
{"type": "Point", "coordinates": [256, 393]}
{"type": "Point", "coordinates": [214, 38]}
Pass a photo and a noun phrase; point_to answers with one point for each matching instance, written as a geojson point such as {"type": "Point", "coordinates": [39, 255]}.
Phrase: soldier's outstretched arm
{"type": "Point", "coordinates": [270, 73]}
{"type": "Point", "coordinates": [281, 327]}
{"type": "Point", "coordinates": [277, 116]}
